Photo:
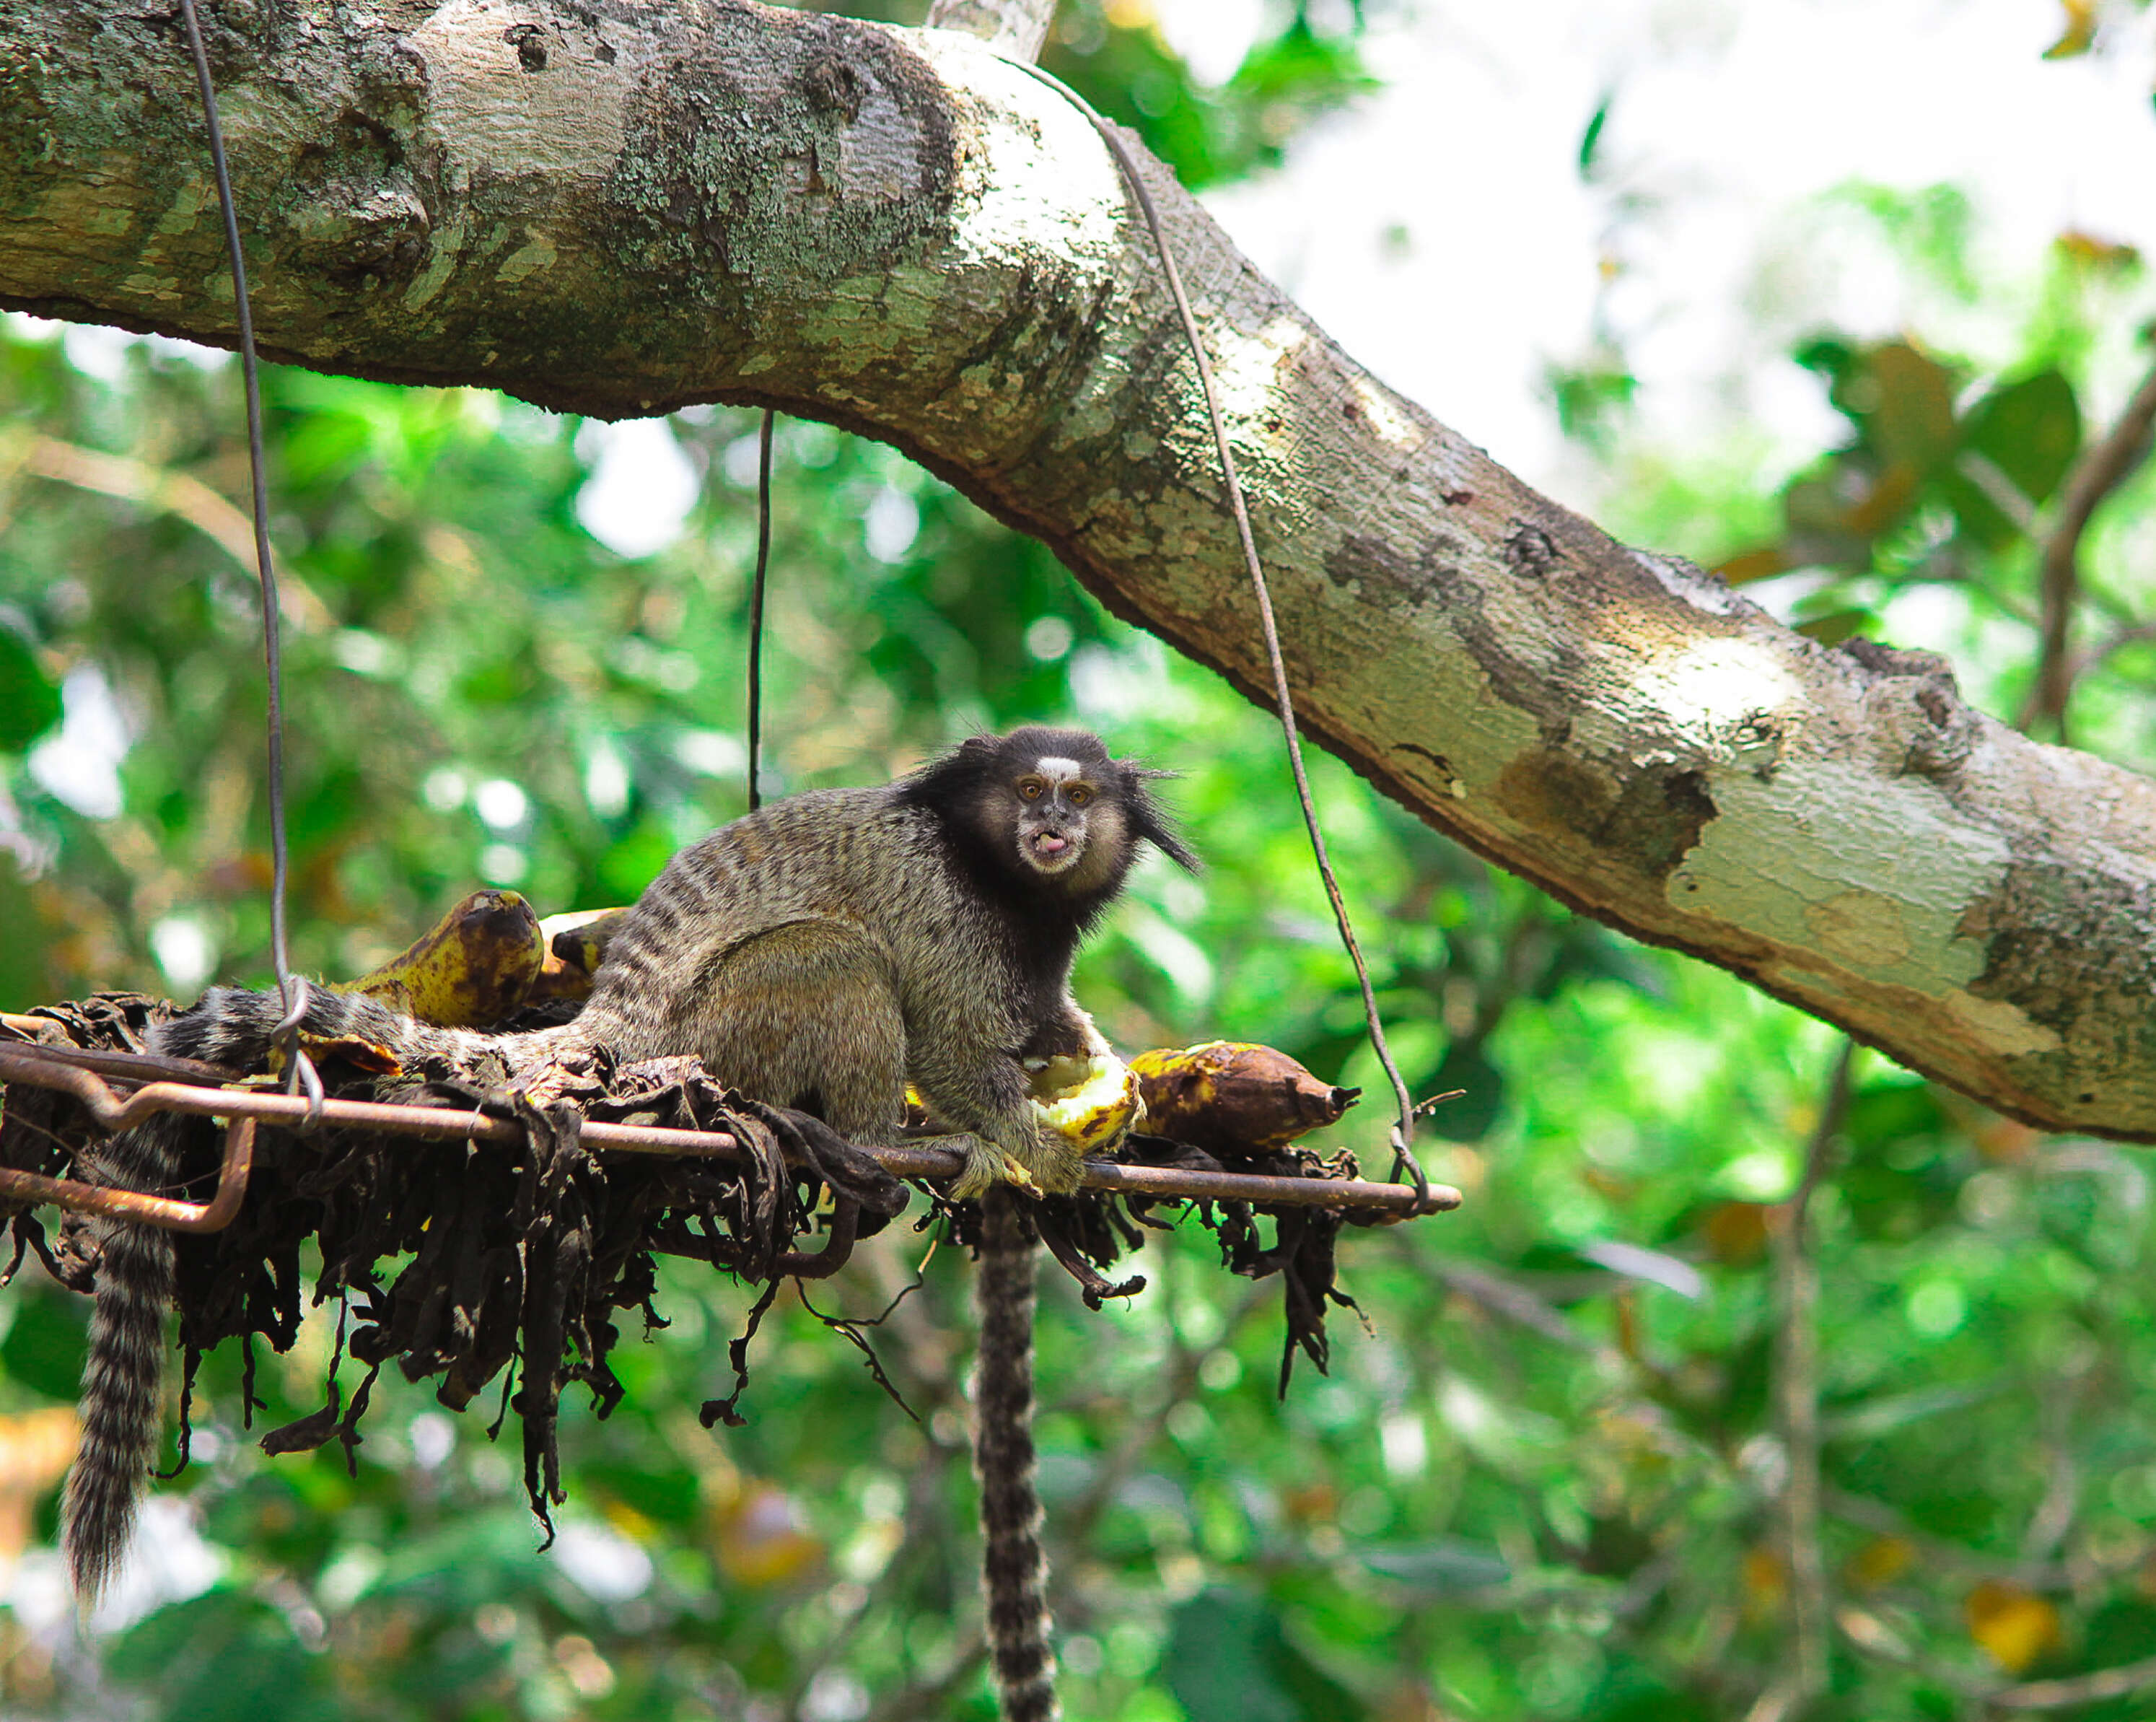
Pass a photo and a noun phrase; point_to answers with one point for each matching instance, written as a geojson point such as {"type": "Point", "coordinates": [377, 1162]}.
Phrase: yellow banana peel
{"type": "Point", "coordinates": [474, 967]}
{"type": "Point", "coordinates": [1090, 1101]}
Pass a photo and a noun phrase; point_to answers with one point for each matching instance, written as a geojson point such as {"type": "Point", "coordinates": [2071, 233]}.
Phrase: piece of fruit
{"type": "Point", "coordinates": [575, 943]}
{"type": "Point", "coordinates": [1090, 1100]}
{"type": "Point", "coordinates": [1227, 1095]}
{"type": "Point", "coordinates": [473, 968]}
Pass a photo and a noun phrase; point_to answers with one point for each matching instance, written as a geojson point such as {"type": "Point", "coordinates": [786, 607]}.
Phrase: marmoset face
{"type": "Point", "coordinates": [1056, 801]}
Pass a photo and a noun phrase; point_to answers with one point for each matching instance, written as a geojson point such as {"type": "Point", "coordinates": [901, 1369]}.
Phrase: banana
{"type": "Point", "coordinates": [1226, 1095]}
{"type": "Point", "coordinates": [575, 945]}
{"type": "Point", "coordinates": [1090, 1101]}
{"type": "Point", "coordinates": [474, 966]}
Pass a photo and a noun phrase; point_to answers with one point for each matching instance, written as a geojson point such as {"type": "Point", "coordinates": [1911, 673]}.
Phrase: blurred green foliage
{"type": "Point", "coordinates": [1541, 1485]}
{"type": "Point", "coordinates": [1110, 53]}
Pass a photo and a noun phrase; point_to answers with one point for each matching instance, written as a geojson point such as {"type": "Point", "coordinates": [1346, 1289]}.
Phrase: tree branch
{"type": "Point", "coordinates": [1512, 1303]}
{"type": "Point", "coordinates": [2102, 467]}
{"type": "Point", "coordinates": [2120, 1682]}
{"type": "Point", "coordinates": [1941, 1554]}
{"type": "Point", "coordinates": [619, 209]}
{"type": "Point", "coordinates": [175, 493]}
{"type": "Point", "coordinates": [1803, 1678]}
{"type": "Point", "coordinates": [2056, 1511]}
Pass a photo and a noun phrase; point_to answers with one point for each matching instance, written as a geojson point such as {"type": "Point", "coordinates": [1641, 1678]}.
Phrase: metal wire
{"type": "Point", "coordinates": [756, 611]}
{"type": "Point", "coordinates": [1403, 1134]}
{"type": "Point", "coordinates": [291, 989]}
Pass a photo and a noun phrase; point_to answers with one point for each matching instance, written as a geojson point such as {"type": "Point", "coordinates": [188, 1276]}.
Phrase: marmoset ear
{"type": "Point", "coordinates": [1149, 820]}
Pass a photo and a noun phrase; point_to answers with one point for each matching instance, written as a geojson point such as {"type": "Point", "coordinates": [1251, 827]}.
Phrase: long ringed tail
{"type": "Point", "coordinates": [1014, 1570]}
{"type": "Point", "coordinates": [122, 1401]}
{"type": "Point", "coordinates": [122, 1407]}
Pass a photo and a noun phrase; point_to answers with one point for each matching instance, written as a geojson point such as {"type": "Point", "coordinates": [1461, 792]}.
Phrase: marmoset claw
{"type": "Point", "coordinates": [986, 1164]}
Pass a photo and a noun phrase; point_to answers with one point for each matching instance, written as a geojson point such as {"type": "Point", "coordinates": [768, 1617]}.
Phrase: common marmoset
{"type": "Point", "coordinates": [819, 953]}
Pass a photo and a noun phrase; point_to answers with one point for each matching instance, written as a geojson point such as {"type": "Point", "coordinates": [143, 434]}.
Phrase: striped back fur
{"type": "Point", "coordinates": [948, 905]}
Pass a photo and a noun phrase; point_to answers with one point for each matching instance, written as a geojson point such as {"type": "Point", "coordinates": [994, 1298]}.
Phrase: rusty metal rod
{"type": "Point", "coordinates": [838, 1246]}
{"type": "Point", "coordinates": [127, 1066]}
{"type": "Point", "coordinates": [30, 1064]}
{"type": "Point", "coordinates": [1399, 1199]}
{"type": "Point", "coordinates": [165, 1211]}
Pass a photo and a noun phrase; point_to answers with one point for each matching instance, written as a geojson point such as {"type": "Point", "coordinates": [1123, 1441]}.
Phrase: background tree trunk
{"type": "Point", "coordinates": [616, 209]}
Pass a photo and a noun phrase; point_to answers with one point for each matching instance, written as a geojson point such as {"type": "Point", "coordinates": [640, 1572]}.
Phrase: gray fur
{"type": "Point", "coordinates": [123, 1369]}
{"type": "Point", "coordinates": [819, 952]}
{"type": "Point", "coordinates": [1013, 1565]}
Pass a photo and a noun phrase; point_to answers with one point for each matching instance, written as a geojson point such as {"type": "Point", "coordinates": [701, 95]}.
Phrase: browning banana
{"type": "Point", "coordinates": [1227, 1095]}
{"type": "Point", "coordinates": [474, 966]}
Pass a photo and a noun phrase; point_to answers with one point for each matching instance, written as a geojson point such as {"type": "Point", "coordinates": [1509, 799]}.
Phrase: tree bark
{"type": "Point", "coordinates": [617, 208]}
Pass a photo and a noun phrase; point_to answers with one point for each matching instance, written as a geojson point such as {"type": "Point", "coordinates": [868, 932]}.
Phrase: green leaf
{"type": "Point", "coordinates": [202, 1624]}
{"type": "Point", "coordinates": [1632, 1691]}
{"type": "Point", "coordinates": [1590, 400]}
{"type": "Point", "coordinates": [1982, 521]}
{"type": "Point", "coordinates": [1829, 355]}
{"type": "Point", "coordinates": [667, 1493]}
{"type": "Point", "coordinates": [29, 703]}
{"type": "Point", "coordinates": [2121, 1632]}
{"type": "Point", "coordinates": [1228, 1661]}
{"type": "Point", "coordinates": [1895, 1110]}
{"type": "Point", "coordinates": [2030, 430]}
{"type": "Point", "coordinates": [1586, 950]}
{"type": "Point", "coordinates": [224, 1657]}
{"type": "Point", "coordinates": [1833, 513]}
{"type": "Point", "coordinates": [1590, 140]}
{"type": "Point", "coordinates": [474, 1558]}
{"type": "Point", "coordinates": [42, 1350]}
{"type": "Point", "coordinates": [1467, 1066]}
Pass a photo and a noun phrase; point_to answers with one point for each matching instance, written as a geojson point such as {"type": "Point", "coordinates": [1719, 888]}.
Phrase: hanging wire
{"type": "Point", "coordinates": [291, 989]}
{"type": "Point", "coordinates": [1403, 1134]}
{"type": "Point", "coordinates": [755, 610]}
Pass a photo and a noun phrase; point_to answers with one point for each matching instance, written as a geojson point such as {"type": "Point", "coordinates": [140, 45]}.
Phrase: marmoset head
{"type": "Point", "coordinates": [1046, 812]}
